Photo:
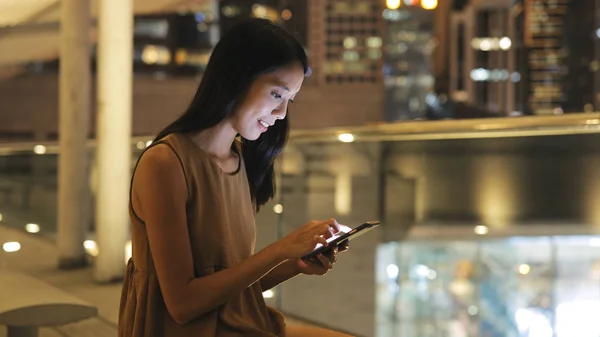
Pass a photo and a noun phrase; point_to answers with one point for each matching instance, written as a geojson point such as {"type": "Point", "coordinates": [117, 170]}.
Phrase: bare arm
{"type": "Point", "coordinates": [159, 197]}
{"type": "Point", "coordinates": [282, 273]}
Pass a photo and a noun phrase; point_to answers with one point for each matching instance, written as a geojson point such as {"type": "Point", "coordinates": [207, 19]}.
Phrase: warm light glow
{"type": "Point", "coordinates": [524, 269]}
{"type": "Point", "coordinates": [181, 56]}
{"type": "Point", "coordinates": [32, 228]}
{"type": "Point", "coordinates": [11, 247]}
{"type": "Point", "coordinates": [350, 42]}
{"type": "Point", "coordinates": [0, 216]}
{"type": "Point", "coordinates": [156, 55]}
{"type": "Point", "coordinates": [39, 149]}
{"type": "Point", "coordinates": [392, 4]}
{"type": "Point", "coordinates": [429, 4]}
{"type": "Point", "coordinates": [268, 294]}
{"type": "Point", "coordinates": [505, 43]}
{"type": "Point", "coordinates": [278, 208]}
{"type": "Point", "coordinates": [148, 143]}
{"type": "Point", "coordinates": [343, 193]}
{"type": "Point", "coordinates": [286, 14]}
{"type": "Point", "coordinates": [140, 145]}
{"type": "Point", "coordinates": [128, 251]}
{"type": "Point", "coordinates": [485, 44]}
{"type": "Point", "coordinates": [346, 138]}
{"type": "Point", "coordinates": [90, 247]}
{"type": "Point", "coordinates": [481, 230]}
{"type": "Point", "coordinates": [374, 42]}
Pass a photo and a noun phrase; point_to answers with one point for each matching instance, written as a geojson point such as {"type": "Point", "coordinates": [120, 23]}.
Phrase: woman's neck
{"type": "Point", "coordinates": [217, 140]}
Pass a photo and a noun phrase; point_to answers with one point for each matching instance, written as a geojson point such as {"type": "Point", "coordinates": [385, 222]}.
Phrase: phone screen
{"type": "Point", "coordinates": [343, 230]}
{"type": "Point", "coordinates": [346, 233]}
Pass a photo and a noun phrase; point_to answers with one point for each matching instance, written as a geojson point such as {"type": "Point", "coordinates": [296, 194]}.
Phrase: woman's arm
{"type": "Point", "coordinates": [159, 198]}
{"type": "Point", "coordinates": [282, 273]}
{"type": "Point", "coordinates": [293, 267]}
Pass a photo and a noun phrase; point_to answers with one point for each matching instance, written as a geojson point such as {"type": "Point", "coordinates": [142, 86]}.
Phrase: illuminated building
{"type": "Point", "coordinates": [526, 57]}
{"type": "Point", "coordinates": [289, 13]}
{"type": "Point", "coordinates": [557, 56]}
{"type": "Point", "coordinates": [481, 56]}
{"type": "Point", "coordinates": [543, 42]}
{"type": "Point", "coordinates": [345, 41]}
{"type": "Point", "coordinates": [408, 57]}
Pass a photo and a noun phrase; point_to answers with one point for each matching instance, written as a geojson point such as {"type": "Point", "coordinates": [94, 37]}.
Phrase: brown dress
{"type": "Point", "coordinates": [222, 233]}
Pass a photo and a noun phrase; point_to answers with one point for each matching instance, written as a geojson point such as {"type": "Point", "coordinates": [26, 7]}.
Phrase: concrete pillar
{"type": "Point", "coordinates": [113, 154]}
{"type": "Point", "coordinates": [74, 110]}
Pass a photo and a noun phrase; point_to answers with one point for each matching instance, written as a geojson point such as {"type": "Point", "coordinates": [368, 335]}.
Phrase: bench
{"type": "Point", "coordinates": [26, 304]}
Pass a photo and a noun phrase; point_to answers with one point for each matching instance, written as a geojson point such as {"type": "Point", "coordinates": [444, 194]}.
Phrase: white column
{"type": "Point", "coordinates": [74, 110]}
{"type": "Point", "coordinates": [113, 154]}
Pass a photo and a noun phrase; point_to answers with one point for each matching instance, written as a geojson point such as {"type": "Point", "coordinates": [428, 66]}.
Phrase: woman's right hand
{"type": "Point", "coordinates": [304, 239]}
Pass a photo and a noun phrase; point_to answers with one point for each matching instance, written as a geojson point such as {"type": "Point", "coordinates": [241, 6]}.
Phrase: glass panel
{"type": "Point", "coordinates": [29, 190]}
{"type": "Point", "coordinates": [510, 287]}
{"type": "Point", "coordinates": [516, 287]}
{"type": "Point", "coordinates": [577, 287]}
{"type": "Point", "coordinates": [437, 289]}
{"type": "Point", "coordinates": [28, 186]}
{"type": "Point", "coordinates": [448, 287]}
{"type": "Point", "coordinates": [340, 180]}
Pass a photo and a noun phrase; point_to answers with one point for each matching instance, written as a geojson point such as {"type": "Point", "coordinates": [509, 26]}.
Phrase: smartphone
{"type": "Point", "coordinates": [340, 238]}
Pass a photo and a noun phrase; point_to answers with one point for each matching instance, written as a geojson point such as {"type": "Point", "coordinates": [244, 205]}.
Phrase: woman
{"type": "Point", "coordinates": [196, 189]}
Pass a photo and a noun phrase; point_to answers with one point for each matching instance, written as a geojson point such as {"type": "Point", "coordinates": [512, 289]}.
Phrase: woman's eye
{"type": "Point", "coordinates": [276, 95]}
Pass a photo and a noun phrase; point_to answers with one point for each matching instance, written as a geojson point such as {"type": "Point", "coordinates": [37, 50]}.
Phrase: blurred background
{"type": "Point", "coordinates": [469, 128]}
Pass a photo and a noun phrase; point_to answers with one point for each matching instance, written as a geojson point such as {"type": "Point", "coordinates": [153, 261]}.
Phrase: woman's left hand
{"type": "Point", "coordinates": [327, 261]}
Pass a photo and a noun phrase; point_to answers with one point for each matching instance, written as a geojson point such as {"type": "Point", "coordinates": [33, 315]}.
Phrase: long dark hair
{"type": "Point", "coordinates": [247, 50]}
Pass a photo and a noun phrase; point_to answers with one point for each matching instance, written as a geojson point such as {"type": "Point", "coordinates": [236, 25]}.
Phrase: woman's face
{"type": "Point", "coordinates": [267, 101]}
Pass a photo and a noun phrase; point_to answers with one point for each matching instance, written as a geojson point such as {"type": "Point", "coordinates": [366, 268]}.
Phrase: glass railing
{"type": "Point", "coordinates": [460, 206]}
{"type": "Point", "coordinates": [510, 287]}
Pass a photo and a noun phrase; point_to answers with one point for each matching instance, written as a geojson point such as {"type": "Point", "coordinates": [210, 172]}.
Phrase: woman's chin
{"type": "Point", "coordinates": [254, 135]}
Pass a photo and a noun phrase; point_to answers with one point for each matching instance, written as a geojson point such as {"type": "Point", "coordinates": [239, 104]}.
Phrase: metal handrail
{"type": "Point", "coordinates": [505, 127]}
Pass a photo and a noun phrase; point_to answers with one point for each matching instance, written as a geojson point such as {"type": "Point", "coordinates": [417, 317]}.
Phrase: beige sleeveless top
{"type": "Point", "coordinates": [222, 232]}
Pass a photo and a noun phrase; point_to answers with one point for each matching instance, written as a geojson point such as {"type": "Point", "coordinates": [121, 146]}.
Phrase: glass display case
{"type": "Point", "coordinates": [511, 287]}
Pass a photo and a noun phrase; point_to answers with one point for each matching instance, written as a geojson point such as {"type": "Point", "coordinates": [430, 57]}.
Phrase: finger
{"type": "Point", "coordinates": [343, 246]}
{"type": "Point", "coordinates": [335, 226]}
{"type": "Point", "coordinates": [333, 252]}
{"type": "Point", "coordinates": [323, 229]}
{"type": "Point", "coordinates": [325, 262]}
{"type": "Point", "coordinates": [320, 239]}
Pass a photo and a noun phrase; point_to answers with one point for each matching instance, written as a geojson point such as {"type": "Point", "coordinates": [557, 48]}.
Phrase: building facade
{"type": "Point", "coordinates": [526, 57]}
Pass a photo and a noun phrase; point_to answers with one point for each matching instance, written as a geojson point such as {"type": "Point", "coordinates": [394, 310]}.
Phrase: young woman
{"type": "Point", "coordinates": [195, 191]}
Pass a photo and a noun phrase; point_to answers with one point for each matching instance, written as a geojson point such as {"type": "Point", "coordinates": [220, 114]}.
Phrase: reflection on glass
{"type": "Point", "coordinates": [515, 287]}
